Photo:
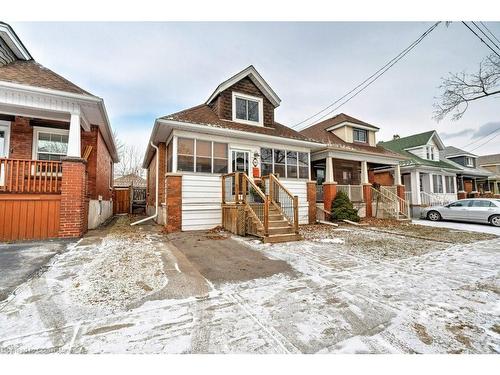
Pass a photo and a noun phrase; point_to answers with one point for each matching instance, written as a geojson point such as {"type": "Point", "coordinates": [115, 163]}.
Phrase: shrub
{"type": "Point", "coordinates": [342, 208]}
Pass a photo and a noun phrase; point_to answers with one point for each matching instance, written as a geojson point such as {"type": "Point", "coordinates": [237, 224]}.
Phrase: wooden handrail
{"type": "Point", "coordinates": [273, 179]}
{"type": "Point", "coordinates": [30, 176]}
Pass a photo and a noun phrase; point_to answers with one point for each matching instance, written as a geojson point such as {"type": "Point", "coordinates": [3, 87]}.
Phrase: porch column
{"type": "Point", "coordinates": [311, 201]}
{"type": "Point", "coordinates": [364, 172]}
{"type": "Point", "coordinates": [74, 143]}
{"type": "Point", "coordinates": [397, 175]}
{"type": "Point", "coordinates": [329, 170]}
{"type": "Point", "coordinates": [415, 187]}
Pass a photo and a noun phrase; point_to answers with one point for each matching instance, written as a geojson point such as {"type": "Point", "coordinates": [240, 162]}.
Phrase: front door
{"type": "Point", "coordinates": [240, 161]}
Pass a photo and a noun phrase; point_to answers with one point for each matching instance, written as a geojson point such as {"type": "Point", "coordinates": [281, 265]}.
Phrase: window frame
{"type": "Point", "coordinates": [46, 130]}
{"type": "Point", "coordinates": [297, 165]}
{"type": "Point", "coordinates": [467, 164]}
{"type": "Point", "coordinates": [247, 97]}
{"type": "Point", "coordinates": [195, 156]}
{"type": "Point", "coordinates": [439, 184]}
{"type": "Point", "coordinates": [359, 130]}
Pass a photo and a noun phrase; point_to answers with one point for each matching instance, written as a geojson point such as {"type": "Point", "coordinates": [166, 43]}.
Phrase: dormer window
{"type": "Point", "coordinates": [247, 109]}
{"type": "Point", "coordinates": [430, 153]}
{"type": "Point", "coordinates": [360, 135]}
{"type": "Point", "coordinates": [469, 162]}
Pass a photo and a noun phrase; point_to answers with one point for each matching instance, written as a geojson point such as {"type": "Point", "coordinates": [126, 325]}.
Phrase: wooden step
{"type": "Point", "coordinates": [279, 238]}
{"type": "Point", "coordinates": [281, 230]}
{"type": "Point", "coordinates": [278, 223]}
{"type": "Point", "coordinates": [275, 217]}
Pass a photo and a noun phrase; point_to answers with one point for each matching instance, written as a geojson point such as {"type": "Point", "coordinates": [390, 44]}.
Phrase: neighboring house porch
{"type": "Point", "coordinates": [56, 151]}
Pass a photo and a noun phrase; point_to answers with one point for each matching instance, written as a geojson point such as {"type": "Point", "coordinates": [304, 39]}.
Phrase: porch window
{"type": "Point", "coordinates": [279, 163]}
{"type": "Point", "coordinates": [303, 165]}
{"type": "Point", "coordinates": [220, 157]}
{"type": "Point", "coordinates": [291, 161]}
{"type": "Point", "coordinates": [266, 161]}
{"type": "Point", "coordinates": [360, 135]}
{"type": "Point", "coordinates": [185, 155]}
{"type": "Point", "coordinates": [437, 182]}
{"type": "Point", "coordinates": [50, 144]}
{"type": "Point", "coordinates": [196, 155]}
{"type": "Point", "coordinates": [450, 185]}
{"type": "Point", "coordinates": [286, 164]}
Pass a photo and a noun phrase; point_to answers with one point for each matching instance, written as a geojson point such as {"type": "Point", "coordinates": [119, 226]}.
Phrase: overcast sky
{"type": "Point", "coordinates": [147, 70]}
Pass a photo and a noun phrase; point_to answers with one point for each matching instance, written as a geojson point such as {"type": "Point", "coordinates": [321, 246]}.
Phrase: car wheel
{"type": "Point", "coordinates": [495, 220]}
{"type": "Point", "coordinates": [433, 216]}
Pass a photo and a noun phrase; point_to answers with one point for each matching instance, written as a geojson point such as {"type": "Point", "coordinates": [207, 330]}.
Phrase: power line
{"type": "Point", "coordinates": [368, 81]}
{"type": "Point", "coordinates": [486, 35]}
{"type": "Point", "coordinates": [481, 138]}
{"type": "Point", "coordinates": [486, 27]}
{"type": "Point", "coordinates": [481, 39]}
{"type": "Point", "coordinates": [482, 144]}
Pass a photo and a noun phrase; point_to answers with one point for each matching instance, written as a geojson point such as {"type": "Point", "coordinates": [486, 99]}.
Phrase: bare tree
{"type": "Point", "coordinates": [459, 89]}
{"type": "Point", "coordinates": [130, 159]}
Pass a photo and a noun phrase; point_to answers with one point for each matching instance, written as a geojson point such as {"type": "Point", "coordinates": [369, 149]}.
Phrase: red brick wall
{"type": "Point", "coordinates": [174, 203]}
{"type": "Point", "coordinates": [382, 178]}
{"type": "Point", "coordinates": [329, 193]}
{"type": "Point", "coordinates": [21, 138]}
{"type": "Point", "coordinates": [223, 105]}
{"type": "Point", "coordinates": [98, 164]}
{"type": "Point", "coordinates": [151, 177]}
{"type": "Point", "coordinates": [151, 182]}
{"type": "Point", "coordinates": [74, 204]}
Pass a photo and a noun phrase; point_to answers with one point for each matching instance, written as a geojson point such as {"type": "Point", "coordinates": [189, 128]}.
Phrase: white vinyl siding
{"type": "Point", "coordinates": [201, 202]}
{"type": "Point", "coordinates": [299, 188]}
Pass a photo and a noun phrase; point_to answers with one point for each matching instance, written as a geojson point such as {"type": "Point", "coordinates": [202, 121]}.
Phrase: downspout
{"type": "Point", "coordinates": [157, 179]}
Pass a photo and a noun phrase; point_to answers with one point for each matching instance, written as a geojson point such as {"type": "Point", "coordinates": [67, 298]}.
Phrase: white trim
{"type": "Point", "coordinates": [42, 129]}
{"type": "Point", "coordinates": [257, 99]}
{"type": "Point", "coordinates": [463, 154]}
{"type": "Point", "coordinates": [14, 43]}
{"type": "Point", "coordinates": [7, 137]}
{"type": "Point", "coordinates": [354, 125]}
{"type": "Point", "coordinates": [256, 78]}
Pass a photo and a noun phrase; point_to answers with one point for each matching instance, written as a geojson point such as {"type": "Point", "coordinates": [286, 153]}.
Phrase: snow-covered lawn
{"type": "Point", "coordinates": [349, 291]}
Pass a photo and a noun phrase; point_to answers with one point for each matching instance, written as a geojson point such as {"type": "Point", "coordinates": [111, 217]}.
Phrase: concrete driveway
{"type": "Point", "coordinates": [19, 261]}
{"type": "Point", "coordinates": [348, 290]}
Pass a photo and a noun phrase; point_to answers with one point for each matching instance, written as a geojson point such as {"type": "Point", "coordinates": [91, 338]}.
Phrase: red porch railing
{"type": "Point", "coordinates": [30, 176]}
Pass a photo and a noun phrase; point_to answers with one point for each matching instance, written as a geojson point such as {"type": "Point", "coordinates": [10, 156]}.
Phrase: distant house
{"type": "Point", "coordinates": [56, 150]}
{"type": "Point", "coordinates": [428, 177]}
{"type": "Point", "coordinates": [492, 164]}
{"type": "Point", "coordinates": [129, 180]}
{"type": "Point", "coordinates": [472, 179]}
{"type": "Point", "coordinates": [350, 159]}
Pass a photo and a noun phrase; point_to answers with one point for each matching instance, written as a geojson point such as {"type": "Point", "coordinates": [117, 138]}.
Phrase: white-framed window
{"type": "Point", "coordinates": [469, 162]}
{"type": "Point", "coordinates": [248, 109]}
{"type": "Point", "coordinates": [197, 155]}
{"type": "Point", "coordinates": [437, 182]}
{"type": "Point", "coordinates": [450, 184]}
{"type": "Point", "coordinates": [286, 164]}
{"type": "Point", "coordinates": [360, 135]}
{"type": "Point", "coordinates": [49, 144]}
{"type": "Point", "coordinates": [430, 153]}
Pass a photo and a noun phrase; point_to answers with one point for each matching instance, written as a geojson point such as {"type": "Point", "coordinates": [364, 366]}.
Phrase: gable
{"type": "Point", "coordinates": [222, 104]}
{"type": "Point", "coordinates": [256, 78]}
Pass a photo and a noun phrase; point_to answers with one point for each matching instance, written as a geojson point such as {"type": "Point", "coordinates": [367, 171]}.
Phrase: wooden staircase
{"type": "Point", "coordinates": [247, 210]}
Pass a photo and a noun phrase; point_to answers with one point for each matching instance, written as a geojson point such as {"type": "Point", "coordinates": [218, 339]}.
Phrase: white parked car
{"type": "Point", "coordinates": [477, 210]}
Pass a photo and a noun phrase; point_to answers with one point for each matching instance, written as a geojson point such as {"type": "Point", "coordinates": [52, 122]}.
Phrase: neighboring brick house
{"type": "Point", "coordinates": [351, 161]}
{"type": "Point", "coordinates": [56, 150]}
{"type": "Point", "coordinates": [129, 180]}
